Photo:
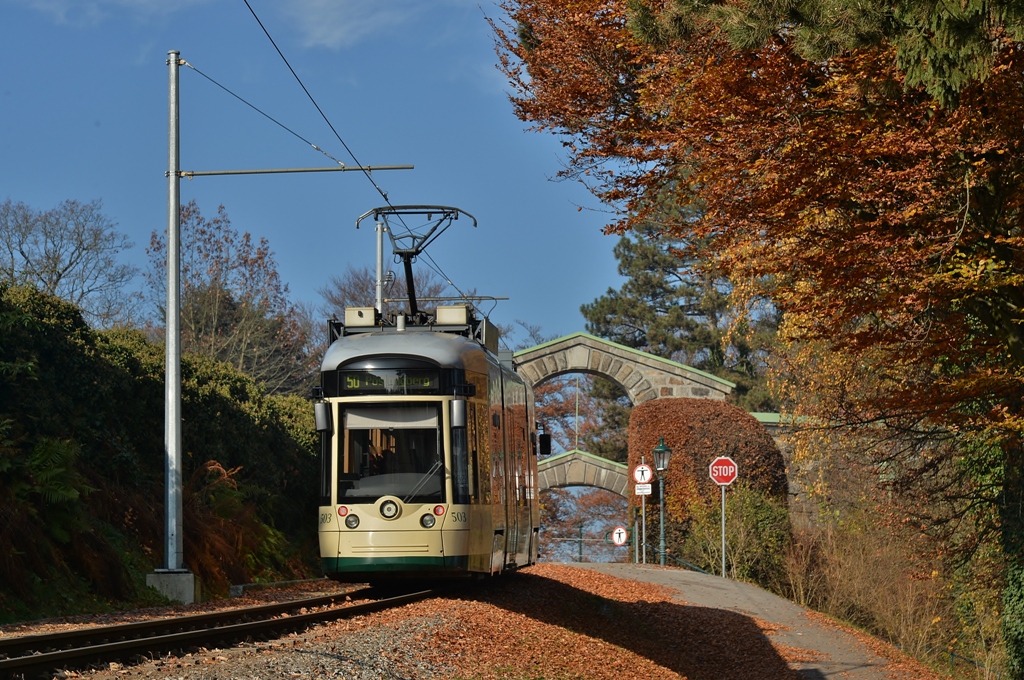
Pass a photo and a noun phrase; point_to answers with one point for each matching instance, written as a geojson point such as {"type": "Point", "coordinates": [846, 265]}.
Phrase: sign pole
{"type": "Point", "coordinates": [643, 529]}
{"type": "Point", "coordinates": [723, 472]}
{"type": "Point", "coordinates": [636, 543]}
{"type": "Point", "coordinates": [643, 474]}
{"type": "Point", "coordinates": [643, 520]}
{"type": "Point", "coordinates": [723, 530]}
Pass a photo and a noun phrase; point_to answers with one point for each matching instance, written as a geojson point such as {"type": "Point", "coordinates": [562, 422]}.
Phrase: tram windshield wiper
{"type": "Point", "coordinates": [423, 480]}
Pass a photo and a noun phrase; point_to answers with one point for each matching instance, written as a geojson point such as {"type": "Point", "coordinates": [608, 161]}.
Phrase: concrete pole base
{"type": "Point", "coordinates": [177, 586]}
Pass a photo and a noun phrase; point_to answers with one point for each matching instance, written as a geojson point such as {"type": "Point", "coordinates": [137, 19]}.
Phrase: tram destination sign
{"type": "Point", "coordinates": [389, 381]}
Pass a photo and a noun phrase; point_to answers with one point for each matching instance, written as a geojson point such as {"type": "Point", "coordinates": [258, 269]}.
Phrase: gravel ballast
{"type": "Point", "coordinates": [549, 621]}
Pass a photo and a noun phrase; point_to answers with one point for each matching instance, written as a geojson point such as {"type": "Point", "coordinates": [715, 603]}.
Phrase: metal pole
{"type": "Point", "coordinates": [581, 542]}
{"type": "Point", "coordinates": [723, 532]}
{"type": "Point", "coordinates": [172, 407]}
{"type": "Point", "coordinates": [643, 523]}
{"type": "Point", "coordinates": [643, 529]}
{"type": "Point", "coordinates": [636, 535]}
{"type": "Point", "coordinates": [189, 174]}
{"type": "Point", "coordinates": [380, 268]}
{"type": "Point", "coordinates": [661, 505]}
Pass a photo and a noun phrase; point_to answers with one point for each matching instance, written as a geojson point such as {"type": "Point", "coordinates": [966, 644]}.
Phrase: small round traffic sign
{"type": "Point", "coordinates": [723, 470]}
{"type": "Point", "coordinates": [620, 535]}
{"type": "Point", "coordinates": [642, 473]}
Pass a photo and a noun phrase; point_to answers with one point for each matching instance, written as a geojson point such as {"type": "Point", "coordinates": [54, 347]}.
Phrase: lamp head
{"type": "Point", "coordinates": [662, 453]}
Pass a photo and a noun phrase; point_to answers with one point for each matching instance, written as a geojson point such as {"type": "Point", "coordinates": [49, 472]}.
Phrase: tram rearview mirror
{"type": "Point", "coordinates": [459, 413]}
{"type": "Point", "coordinates": [322, 414]}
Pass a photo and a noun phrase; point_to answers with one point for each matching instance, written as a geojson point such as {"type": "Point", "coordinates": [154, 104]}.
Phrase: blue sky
{"type": "Point", "coordinates": [83, 115]}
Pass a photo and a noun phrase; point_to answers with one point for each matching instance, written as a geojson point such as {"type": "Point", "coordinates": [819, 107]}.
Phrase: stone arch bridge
{"type": "Point", "coordinates": [579, 468]}
{"type": "Point", "coordinates": [643, 376]}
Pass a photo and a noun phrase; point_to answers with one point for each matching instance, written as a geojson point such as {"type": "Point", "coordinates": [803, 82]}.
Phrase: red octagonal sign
{"type": "Point", "coordinates": [723, 470]}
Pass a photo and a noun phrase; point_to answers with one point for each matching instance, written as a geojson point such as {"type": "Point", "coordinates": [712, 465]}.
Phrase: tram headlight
{"type": "Point", "coordinates": [352, 521]}
{"type": "Point", "coordinates": [428, 521]}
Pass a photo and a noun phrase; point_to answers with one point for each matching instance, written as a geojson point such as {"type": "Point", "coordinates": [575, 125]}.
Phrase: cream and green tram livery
{"type": "Point", "coordinates": [428, 451]}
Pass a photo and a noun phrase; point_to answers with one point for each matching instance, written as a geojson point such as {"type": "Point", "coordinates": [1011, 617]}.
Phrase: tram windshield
{"type": "Point", "coordinates": [391, 450]}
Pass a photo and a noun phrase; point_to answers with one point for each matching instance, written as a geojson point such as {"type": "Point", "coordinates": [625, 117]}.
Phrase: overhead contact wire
{"type": "Point", "coordinates": [437, 268]}
{"type": "Point", "coordinates": [264, 114]}
{"type": "Point", "coordinates": [322, 114]}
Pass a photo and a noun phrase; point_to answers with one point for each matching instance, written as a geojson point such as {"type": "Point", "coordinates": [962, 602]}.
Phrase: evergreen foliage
{"type": "Point", "coordinates": [940, 47]}
{"type": "Point", "coordinates": [82, 462]}
{"type": "Point", "coordinates": [757, 533]}
{"type": "Point", "coordinates": [610, 409]}
{"type": "Point", "coordinates": [670, 308]}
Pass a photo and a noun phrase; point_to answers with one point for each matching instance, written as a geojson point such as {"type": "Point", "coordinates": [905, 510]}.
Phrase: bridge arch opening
{"type": "Point", "coordinates": [641, 376]}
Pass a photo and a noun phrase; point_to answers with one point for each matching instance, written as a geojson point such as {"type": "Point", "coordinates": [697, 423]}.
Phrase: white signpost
{"type": "Point", "coordinates": [643, 474]}
{"type": "Point", "coordinates": [723, 472]}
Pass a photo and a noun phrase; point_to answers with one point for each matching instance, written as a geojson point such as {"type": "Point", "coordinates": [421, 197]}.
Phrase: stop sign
{"type": "Point", "coordinates": [723, 470]}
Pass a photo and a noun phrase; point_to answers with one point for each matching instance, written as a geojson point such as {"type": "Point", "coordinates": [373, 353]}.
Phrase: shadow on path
{"type": "Point", "coordinates": [699, 643]}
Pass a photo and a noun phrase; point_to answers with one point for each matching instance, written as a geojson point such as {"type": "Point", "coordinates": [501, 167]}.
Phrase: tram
{"type": "Point", "coordinates": [428, 461]}
{"type": "Point", "coordinates": [428, 455]}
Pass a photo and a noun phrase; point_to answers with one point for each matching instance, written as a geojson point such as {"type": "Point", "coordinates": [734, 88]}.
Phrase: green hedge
{"type": "Point", "coordinates": [82, 462]}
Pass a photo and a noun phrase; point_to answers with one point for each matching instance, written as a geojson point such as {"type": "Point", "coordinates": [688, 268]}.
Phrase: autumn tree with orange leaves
{"type": "Point", "coordinates": [860, 166]}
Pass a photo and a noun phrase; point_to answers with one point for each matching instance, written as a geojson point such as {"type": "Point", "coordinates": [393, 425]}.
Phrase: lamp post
{"type": "Point", "coordinates": [661, 455]}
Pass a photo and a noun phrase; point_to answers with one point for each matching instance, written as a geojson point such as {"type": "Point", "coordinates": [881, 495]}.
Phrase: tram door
{"type": "Point", "coordinates": [499, 483]}
{"type": "Point", "coordinates": [516, 443]}
{"type": "Point", "coordinates": [520, 447]}
{"type": "Point", "coordinates": [509, 462]}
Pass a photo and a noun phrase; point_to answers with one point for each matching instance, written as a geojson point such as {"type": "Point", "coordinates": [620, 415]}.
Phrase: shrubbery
{"type": "Point", "coordinates": [757, 519]}
{"type": "Point", "coordinates": [757, 535]}
{"type": "Point", "coordinates": [82, 462]}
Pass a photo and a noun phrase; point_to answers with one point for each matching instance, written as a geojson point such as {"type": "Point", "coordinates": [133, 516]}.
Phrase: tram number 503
{"type": "Point", "coordinates": [326, 517]}
{"type": "Point", "coordinates": [460, 517]}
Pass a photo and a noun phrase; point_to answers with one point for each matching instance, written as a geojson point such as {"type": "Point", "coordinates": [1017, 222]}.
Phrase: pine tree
{"type": "Point", "coordinates": [941, 47]}
{"type": "Point", "coordinates": [670, 308]}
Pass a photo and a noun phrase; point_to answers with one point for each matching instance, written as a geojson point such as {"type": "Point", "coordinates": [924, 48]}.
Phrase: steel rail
{"type": "Point", "coordinates": [25, 644]}
{"type": "Point", "coordinates": [155, 639]}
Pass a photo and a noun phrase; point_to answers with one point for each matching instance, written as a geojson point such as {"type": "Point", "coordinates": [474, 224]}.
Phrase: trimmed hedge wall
{"type": "Point", "coordinates": [698, 431]}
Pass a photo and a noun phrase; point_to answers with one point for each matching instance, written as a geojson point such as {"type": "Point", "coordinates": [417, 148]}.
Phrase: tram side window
{"type": "Point", "coordinates": [472, 454]}
{"type": "Point", "coordinates": [478, 451]}
{"type": "Point", "coordinates": [460, 465]}
{"type": "Point", "coordinates": [522, 446]}
{"type": "Point", "coordinates": [326, 438]}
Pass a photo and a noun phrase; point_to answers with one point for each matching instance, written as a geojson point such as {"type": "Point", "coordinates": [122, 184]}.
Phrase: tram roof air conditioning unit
{"type": "Point", "coordinates": [452, 315]}
{"type": "Point", "coordinates": [356, 317]}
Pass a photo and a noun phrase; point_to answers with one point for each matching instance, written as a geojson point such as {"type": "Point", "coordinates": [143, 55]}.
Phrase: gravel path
{"type": "Point", "coordinates": [557, 622]}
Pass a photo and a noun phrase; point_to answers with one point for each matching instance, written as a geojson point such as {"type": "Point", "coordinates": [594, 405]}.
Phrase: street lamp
{"type": "Point", "coordinates": [661, 455]}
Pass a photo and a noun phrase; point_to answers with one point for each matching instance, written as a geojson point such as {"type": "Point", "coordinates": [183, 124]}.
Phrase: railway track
{"type": "Point", "coordinates": [29, 656]}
